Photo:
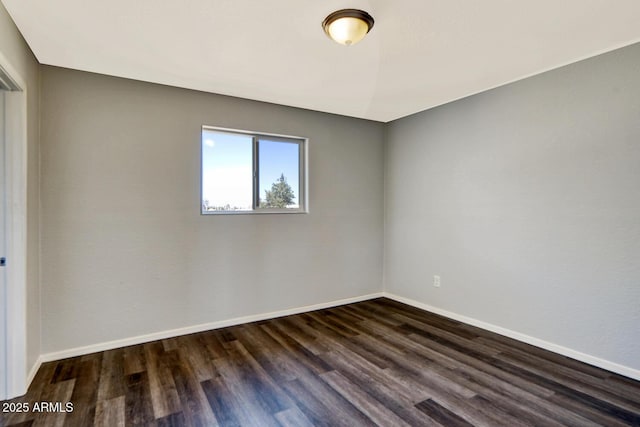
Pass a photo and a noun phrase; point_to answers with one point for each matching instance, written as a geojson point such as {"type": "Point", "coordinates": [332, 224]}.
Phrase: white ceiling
{"type": "Point", "coordinates": [420, 53]}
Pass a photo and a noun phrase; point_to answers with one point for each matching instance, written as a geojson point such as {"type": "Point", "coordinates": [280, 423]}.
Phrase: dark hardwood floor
{"type": "Point", "coordinates": [371, 363]}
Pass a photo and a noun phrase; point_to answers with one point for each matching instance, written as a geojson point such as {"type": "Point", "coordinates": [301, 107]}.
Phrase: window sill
{"type": "Point", "coordinates": [257, 212]}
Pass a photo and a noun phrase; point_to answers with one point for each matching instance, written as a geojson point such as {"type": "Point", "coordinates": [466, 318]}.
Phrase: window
{"type": "Point", "coordinates": [246, 172]}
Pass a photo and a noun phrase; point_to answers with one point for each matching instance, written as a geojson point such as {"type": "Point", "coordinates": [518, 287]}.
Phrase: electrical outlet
{"type": "Point", "coordinates": [436, 281]}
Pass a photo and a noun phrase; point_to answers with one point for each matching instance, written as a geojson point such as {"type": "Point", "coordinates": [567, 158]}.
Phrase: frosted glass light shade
{"type": "Point", "coordinates": [348, 26]}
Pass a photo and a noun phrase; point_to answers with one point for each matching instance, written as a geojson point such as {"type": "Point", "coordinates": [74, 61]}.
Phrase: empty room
{"type": "Point", "coordinates": [327, 213]}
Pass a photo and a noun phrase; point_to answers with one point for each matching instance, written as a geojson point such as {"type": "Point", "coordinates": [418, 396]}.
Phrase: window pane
{"type": "Point", "coordinates": [279, 174]}
{"type": "Point", "coordinates": [227, 171]}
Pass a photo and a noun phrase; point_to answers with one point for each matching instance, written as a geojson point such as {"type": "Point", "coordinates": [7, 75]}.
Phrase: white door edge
{"type": "Point", "coordinates": [16, 228]}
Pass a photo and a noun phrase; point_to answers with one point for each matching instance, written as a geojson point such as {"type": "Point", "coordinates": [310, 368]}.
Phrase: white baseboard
{"type": "Point", "coordinates": [33, 371]}
{"type": "Point", "coordinates": [582, 357]}
{"type": "Point", "coordinates": [93, 348]}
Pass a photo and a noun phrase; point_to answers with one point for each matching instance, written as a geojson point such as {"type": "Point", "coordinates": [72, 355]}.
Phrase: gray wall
{"type": "Point", "coordinates": [16, 51]}
{"type": "Point", "coordinates": [125, 251]}
{"type": "Point", "coordinates": [526, 200]}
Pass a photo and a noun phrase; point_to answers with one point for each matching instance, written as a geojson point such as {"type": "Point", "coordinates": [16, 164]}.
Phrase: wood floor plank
{"type": "Point", "coordinates": [377, 362]}
{"type": "Point", "coordinates": [41, 380]}
{"type": "Point", "coordinates": [221, 401]}
{"type": "Point", "coordinates": [138, 404]}
{"type": "Point", "coordinates": [194, 404]}
{"type": "Point", "coordinates": [298, 351]}
{"type": "Point", "coordinates": [134, 361]}
{"type": "Point", "coordinates": [382, 383]}
{"type": "Point", "coordinates": [84, 395]}
{"type": "Point", "coordinates": [413, 368]}
{"type": "Point", "coordinates": [592, 413]}
{"type": "Point", "coordinates": [442, 414]}
{"type": "Point", "coordinates": [111, 375]}
{"type": "Point", "coordinates": [577, 396]}
{"type": "Point", "coordinates": [293, 418]}
{"type": "Point", "coordinates": [371, 312]}
{"type": "Point", "coordinates": [269, 354]}
{"type": "Point", "coordinates": [194, 348]}
{"type": "Point", "coordinates": [65, 370]}
{"type": "Point", "coordinates": [624, 386]}
{"type": "Point", "coordinates": [469, 344]}
{"type": "Point", "coordinates": [164, 397]}
{"type": "Point", "coordinates": [487, 337]}
{"type": "Point", "coordinates": [322, 405]}
{"type": "Point", "coordinates": [484, 365]}
{"type": "Point", "coordinates": [263, 387]}
{"type": "Point", "coordinates": [299, 330]}
{"type": "Point", "coordinates": [214, 344]}
{"type": "Point", "coordinates": [248, 406]}
{"type": "Point", "coordinates": [110, 413]}
{"type": "Point", "coordinates": [558, 362]}
{"type": "Point", "coordinates": [363, 401]}
{"type": "Point", "coordinates": [528, 416]}
{"type": "Point", "coordinates": [572, 380]}
{"type": "Point", "coordinates": [331, 323]}
{"type": "Point", "coordinates": [60, 391]}
{"type": "Point", "coordinates": [176, 419]}
{"type": "Point", "coordinates": [519, 401]}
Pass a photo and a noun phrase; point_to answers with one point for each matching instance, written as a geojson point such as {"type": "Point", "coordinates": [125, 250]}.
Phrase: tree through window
{"type": "Point", "coordinates": [246, 172]}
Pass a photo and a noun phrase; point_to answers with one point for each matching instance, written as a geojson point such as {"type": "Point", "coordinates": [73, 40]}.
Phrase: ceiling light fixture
{"type": "Point", "coordinates": [347, 26]}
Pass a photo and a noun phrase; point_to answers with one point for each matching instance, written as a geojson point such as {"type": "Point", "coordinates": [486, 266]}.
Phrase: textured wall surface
{"type": "Point", "coordinates": [125, 249]}
{"type": "Point", "coordinates": [526, 201]}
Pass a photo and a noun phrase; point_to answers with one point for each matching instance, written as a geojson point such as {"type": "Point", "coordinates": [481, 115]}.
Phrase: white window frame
{"type": "Point", "coordinates": [303, 181]}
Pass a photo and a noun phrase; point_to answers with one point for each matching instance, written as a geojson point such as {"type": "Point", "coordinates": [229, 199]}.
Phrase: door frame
{"type": "Point", "coordinates": [16, 233]}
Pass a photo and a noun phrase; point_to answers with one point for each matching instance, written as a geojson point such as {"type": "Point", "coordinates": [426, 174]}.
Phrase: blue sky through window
{"type": "Point", "coordinates": [227, 168]}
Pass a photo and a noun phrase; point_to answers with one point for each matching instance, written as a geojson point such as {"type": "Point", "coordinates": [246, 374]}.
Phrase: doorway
{"type": "Point", "coordinates": [13, 228]}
